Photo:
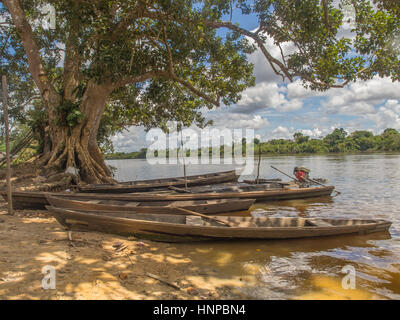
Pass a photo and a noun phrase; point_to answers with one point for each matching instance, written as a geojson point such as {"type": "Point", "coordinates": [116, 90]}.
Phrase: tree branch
{"type": "Point", "coordinates": [134, 79]}
{"type": "Point", "coordinates": [197, 92]}
{"type": "Point", "coordinates": [71, 63]}
{"type": "Point", "coordinates": [169, 53]}
{"type": "Point", "coordinates": [326, 15]}
{"type": "Point", "coordinates": [36, 68]}
{"type": "Point", "coordinates": [274, 63]}
{"type": "Point", "coordinates": [165, 75]}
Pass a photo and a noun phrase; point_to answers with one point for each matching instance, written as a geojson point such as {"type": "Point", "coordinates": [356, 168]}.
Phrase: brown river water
{"type": "Point", "coordinates": [312, 268]}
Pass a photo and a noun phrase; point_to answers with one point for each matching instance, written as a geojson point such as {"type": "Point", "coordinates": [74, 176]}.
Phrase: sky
{"type": "Point", "coordinates": [277, 109]}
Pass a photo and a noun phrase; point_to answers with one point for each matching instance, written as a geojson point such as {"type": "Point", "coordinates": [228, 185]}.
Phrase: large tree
{"type": "Point", "coordinates": [146, 62]}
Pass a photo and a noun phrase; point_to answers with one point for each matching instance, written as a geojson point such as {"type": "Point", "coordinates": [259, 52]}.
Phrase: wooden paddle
{"type": "Point", "coordinates": [203, 216]}
{"type": "Point", "coordinates": [284, 173]}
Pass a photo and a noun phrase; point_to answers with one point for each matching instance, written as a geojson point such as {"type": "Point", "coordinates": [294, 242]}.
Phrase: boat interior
{"type": "Point", "coordinates": [157, 203]}
{"type": "Point", "coordinates": [233, 221]}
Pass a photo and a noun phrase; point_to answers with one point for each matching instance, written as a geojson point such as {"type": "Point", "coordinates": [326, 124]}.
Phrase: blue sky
{"type": "Point", "coordinates": [277, 110]}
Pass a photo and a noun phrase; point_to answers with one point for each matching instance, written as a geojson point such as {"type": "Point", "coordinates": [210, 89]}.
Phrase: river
{"type": "Point", "coordinates": [313, 268]}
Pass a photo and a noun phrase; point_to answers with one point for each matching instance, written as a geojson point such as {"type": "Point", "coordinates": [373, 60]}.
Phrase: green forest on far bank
{"type": "Point", "coordinates": [338, 141]}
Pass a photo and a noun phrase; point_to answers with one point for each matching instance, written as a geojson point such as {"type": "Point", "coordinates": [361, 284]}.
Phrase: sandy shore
{"type": "Point", "coordinates": [92, 266]}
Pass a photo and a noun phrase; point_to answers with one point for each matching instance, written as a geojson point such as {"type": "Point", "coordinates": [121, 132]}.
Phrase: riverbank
{"type": "Point", "coordinates": [89, 267]}
{"type": "Point", "coordinates": [94, 265]}
{"type": "Point", "coordinates": [300, 154]}
{"type": "Point", "coordinates": [339, 141]}
{"type": "Point", "coordinates": [102, 266]}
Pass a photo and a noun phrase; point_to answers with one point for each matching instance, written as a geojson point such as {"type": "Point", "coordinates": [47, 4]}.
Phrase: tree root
{"type": "Point", "coordinates": [90, 170]}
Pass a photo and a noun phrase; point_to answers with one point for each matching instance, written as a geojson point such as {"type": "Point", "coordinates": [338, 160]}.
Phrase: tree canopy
{"type": "Point", "coordinates": [108, 64]}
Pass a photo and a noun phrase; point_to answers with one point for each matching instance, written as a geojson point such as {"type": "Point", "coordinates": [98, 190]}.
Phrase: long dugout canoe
{"type": "Point", "coordinates": [37, 200]}
{"type": "Point", "coordinates": [157, 207]}
{"type": "Point", "coordinates": [146, 185]}
{"type": "Point", "coordinates": [180, 228]}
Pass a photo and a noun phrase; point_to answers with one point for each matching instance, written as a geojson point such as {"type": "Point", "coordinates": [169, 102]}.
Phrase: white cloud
{"type": "Point", "coordinates": [266, 95]}
{"type": "Point", "coordinates": [131, 140]}
{"type": "Point", "coordinates": [240, 120]}
{"type": "Point", "coordinates": [314, 133]}
{"type": "Point", "coordinates": [263, 95]}
{"type": "Point", "coordinates": [361, 97]}
{"type": "Point", "coordinates": [272, 109]}
{"type": "Point", "coordinates": [374, 101]}
{"type": "Point", "coordinates": [282, 133]}
{"type": "Point", "coordinates": [388, 116]}
{"type": "Point", "coordinates": [290, 105]}
{"type": "Point", "coordinates": [296, 90]}
{"type": "Point", "coordinates": [262, 69]}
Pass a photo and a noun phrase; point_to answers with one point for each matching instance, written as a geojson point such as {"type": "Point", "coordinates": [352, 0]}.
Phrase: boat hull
{"type": "Point", "coordinates": [166, 228]}
{"type": "Point", "coordinates": [158, 207]}
{"type": "Point", "coordinates": [37, 200]}
{"type": "Point", "coordinates": [154, 184]}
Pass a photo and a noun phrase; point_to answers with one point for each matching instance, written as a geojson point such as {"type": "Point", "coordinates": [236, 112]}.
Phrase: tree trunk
{"type": "Point", "coordinates": [77, 146]}
{"type": "Point", "coordinates": [70, 147]}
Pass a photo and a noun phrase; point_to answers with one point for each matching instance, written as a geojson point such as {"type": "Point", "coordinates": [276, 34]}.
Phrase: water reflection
{"type": "Point", "coordinates": [308, 268]}
{"type": "Point", "coordinates": [298, 269]}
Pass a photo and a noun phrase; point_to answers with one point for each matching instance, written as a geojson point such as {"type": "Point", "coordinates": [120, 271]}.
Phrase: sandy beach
{"type": "Point", "coordinates": [92, 265]}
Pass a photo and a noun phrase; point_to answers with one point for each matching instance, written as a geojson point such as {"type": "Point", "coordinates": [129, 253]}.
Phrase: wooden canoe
{"type": "Point", "coordinates": [157, 207]}
{"type": "Point", "coordinates": [146, 185]}
{"type": "Point", "coordinates": [178, 228]}
{"type": "Point", "coordinates": [37, 200]}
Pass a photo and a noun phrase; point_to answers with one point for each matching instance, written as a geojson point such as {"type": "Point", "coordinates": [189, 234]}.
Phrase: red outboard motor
{"type": "Point", "coordinates": [301, 173]}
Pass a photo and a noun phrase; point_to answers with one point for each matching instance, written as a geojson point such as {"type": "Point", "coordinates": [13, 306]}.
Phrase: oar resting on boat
{"type": "Point", "coordinates": [186, 211]}
{"type": "Point", "coordinates": [178, 228]}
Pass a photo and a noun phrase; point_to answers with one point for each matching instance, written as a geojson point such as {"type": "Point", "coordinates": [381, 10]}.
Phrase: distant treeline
{"type": "Point", "coordinates": [127, 155]}
{"type": "Point", "coordinates": [338, 141]}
